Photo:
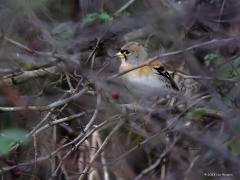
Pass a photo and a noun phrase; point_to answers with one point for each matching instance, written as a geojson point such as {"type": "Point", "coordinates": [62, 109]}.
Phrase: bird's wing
{"type": "Point", "coordinates": [160, 70]}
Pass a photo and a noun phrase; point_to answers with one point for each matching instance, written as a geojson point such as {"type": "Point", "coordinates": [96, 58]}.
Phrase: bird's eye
{"type": "Point", "coordinates": [125, 52]}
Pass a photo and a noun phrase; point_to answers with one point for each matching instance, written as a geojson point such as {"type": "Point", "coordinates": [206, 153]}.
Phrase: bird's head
{"type": "Point", "coordinates": [132, 53]}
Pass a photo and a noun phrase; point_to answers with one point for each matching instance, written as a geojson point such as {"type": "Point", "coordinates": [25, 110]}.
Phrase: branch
{"type": "Point", "coordinates": [105, 142]}
{"type": "Point", "coordinates": [21, 46]}
{"type": "Point", "coordinates": [54, 153]}
{"type": "Point", "coordinates": [58, 121]}
{"type": "Point", "coordinates": [63, 57]}
{"type": "Point", "coordinates": [157, 162]}
{"type": "Point", "coordinates": [95, 113]}
{"type": "Point", "coordinates": [47, 107]}
{"type": "Point", "coordinates": [124, 7]}
{"type": "Point", "coordinates": [77, 142]}
{"type": "Point", "coordinates": [26, 75]}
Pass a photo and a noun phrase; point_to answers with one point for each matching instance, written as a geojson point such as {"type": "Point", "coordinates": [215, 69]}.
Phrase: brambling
{"type": "Point", "coordinates": [150, 80]}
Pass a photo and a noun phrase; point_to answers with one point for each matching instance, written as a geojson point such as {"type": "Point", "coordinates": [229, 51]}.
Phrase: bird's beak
{"type": "Point", "coordinates": [120, 55]}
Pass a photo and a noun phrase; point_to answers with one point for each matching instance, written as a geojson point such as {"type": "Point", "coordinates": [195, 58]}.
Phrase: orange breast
{"type": "Point", "coordinates": [141, 71]}
{"type": "Point", "coordinates": [145, 70]}
{"type": "Point", "coordinates": [148, 69]}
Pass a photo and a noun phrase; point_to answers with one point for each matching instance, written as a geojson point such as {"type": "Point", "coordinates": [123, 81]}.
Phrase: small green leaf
{"type": "Point", "coordinates": [136, 139]}
{"type": "Point", "coordinates": [105, 17]}
{"type": "Point", "coordinates": [102, 16]}
{"type": "Point", "coordinates": [201, 112]}
{"type": "Point", "coordinates": [9, 137]}
{"type": "Point", "coordinates": [198, 114]}
{"type": "Point", "coordinates": [210, 58]}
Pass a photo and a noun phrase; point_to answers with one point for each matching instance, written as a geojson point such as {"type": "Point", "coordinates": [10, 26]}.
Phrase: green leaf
{"type": "Point", "coordinates": [201, 112]}
{"type": "Point", "coordinates": [105, 17]}
{"type": "Point", "coordinates": [15, 135]}
{"type": "Point", "coordinates": [234, 146]}
{"type": "Point", "coordinates": [9, 137]}
{"type": "Point", "coordinates": [210, 58]}
{"type": "Point", "coordinates": [102, 16]}
{"type": "Point", "coordinates": [136, 139]}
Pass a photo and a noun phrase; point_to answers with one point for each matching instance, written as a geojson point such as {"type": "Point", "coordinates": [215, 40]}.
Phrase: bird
{"type": "Point", "coordinates": [150, 80]}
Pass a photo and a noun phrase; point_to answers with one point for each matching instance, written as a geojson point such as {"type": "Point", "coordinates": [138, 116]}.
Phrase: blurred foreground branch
{"type": "Point", "coordinates": [46, 107]}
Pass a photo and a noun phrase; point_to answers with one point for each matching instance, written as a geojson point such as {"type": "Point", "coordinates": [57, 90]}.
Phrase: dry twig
{"type": "Point", "coordinates": [124, 7]}
{"type": "Point", "coordinates": [46, 107]}
{"type": "Point", "coordinates": [105, 142]}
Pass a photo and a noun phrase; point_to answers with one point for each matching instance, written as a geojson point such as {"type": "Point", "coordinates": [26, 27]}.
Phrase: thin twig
{"type": "Point", "coordinates": [58, 121]}
{"type": "Point", "coordinates": [44, 158]}
{"type": "Point", "coordinates": [158, 132]}
{"type": "Point", "coordinates": [46, 107]}
{"type": "Point", "coordinates": [35, 150]}
{"type": "Point", "coordinates": [81, 138]}
{"type": "Point", "coordinates": [64, 57]}
{"type": "Point", "coordinates": [191, 166]}
{"type": "Point", "coordinates": [105, 142]}
{"type": "Point", "coordinates": [95, 113]}
{"type": "Point", "coordinates": [103, 159]}
{"type": "Point", "coordinates": [46, 118]}
{"type": "Point", "coordinates": [21, 46]}
{"type": "Point", "coordinates": [94, 50]}
{"type": "Point", "coordinates": [157, 162]}
{"type": "Point", "coordinates": [124, 7]}
{"type": "Point", "coordinates": [26, 75]}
